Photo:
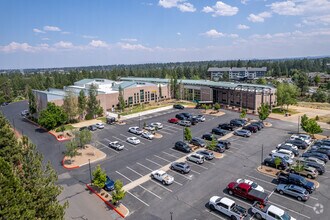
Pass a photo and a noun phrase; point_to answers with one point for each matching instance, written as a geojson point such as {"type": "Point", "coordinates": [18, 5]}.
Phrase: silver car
{"type": "Point", "coordinates": [299, 193]}
{"type": "Point", "coordinates": [116, 145]}
{"type": "Point", "coordinates": [197, 158]}
{"type": "Point", "coordinates": [242, 132]}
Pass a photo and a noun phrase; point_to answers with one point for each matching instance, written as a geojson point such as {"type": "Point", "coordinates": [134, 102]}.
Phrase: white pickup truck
{"type": "Point", "coordinates": [162, 177]}
{"type": "Point", "coordinates": [269, 212]}
{"type": "Point", "coordinates": [227, 207]}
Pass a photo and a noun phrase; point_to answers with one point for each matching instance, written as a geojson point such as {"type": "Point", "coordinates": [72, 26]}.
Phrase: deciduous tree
{"type": "Point", "coordinates": [82, 103]}
{"type": "Point", "coordinates": [187, 134]}
{"type": "Point", "coordinates": [118, 193]}
{"type": "Point", "coordinates": [71, 149]}
{"type": "Point", "coordinates": [121, 101]}
{"type": "Point", "coordinates": [52, 117]}
{"type": "Point", "coordinates": [263, 111]}
{"type": "Point", "coordinates": [99, 177]}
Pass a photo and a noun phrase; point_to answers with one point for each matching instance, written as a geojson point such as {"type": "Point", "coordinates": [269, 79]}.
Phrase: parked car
{"type": "Point", "coordinates": [299, 143]}
{"type": "Point", "coordinates": [219, 131]}
{"type": "Point", "coordinates": [301, 194]}
{"type": "Point", "coordinates": [253, 129]}
{"type": "Point", "coordinates": [147, 135]}
{"type": "Point", "coordinates": [162, 177]}
{"type": "Point", "coordinates": [324, 147]}
{"type": "Point", "coordinates": [225, 143]}
{"type": "Point", "coordinates": [197, 158]}
{"type": "Point", "coordinates": [207, 137]}
{"type": "Point", "coordinates": [92, 128]}
{"type": "Point", "coordinates": [149, 128]}
{"type": "Point", "coordinates": [237, 123]}
{"type": "Point", "coordinates": [180, 116]}
{"type": "Point", "coordinates": [270, 162]}
{"type": "Point", "coordinates": [182, 146]}
{"type": "Point", "coordinates": [173, 120]}
{"type": "Point", "coordinates": [320, 150]}
{"type": "Point", "coordinates": [99, 125]}
{"type": "Point", "coordinates": [206, 153]}
{"type": "Point", "coordinates": [254, 185]}
{"type": "Point", "coordinates": [287, 144]}
{"type": "Point", "coordinates": [291, 178]}
{"type": "Point", "coordinates": [193, 120]}
{"type": "Point", "coordinates": [110, 120]}
{"type": "Point", "coordinates": [259, 124]}
{"type": "Point", "coordinates": [201, 118]}
{"type": "Point", "coordinates": [288, 153]}
{"type": "Point", "coordinates": [83, 128]}
{"type": "Point", "coordinates": [184, 123]}
{"type": "Point", "coordinates": [227, 207]}
{"type": "Point", "coordinates": [322, 142]}
{"type": "Point", "coordinates": [133, 140]}
{"type": "Point", "coordinates": [220, 148]}
{"type": "Point", "coordinates": [319, 168]}
{"type": "Point", "coordinates": [246, 191]}
{"type": "Point", "coordinates": [309, 172]}
{"type": "Point", "coordinates": [116, 145]}
{"type": "Point", "coordinates": [187, 114]}
{"type": "Point", "coordinates": [304, 137]}
{"type": "Point", "coordinates": [242, 132]}
{"type": "Point", "coordinates": [178, 106]}
{"type": "Point", "coordinates": [157, 125]}
{"type": "Point", "coordinates": [317, 155]}
{"type": "Point", "coordinates": [269, 212]}
{"type": "Point", "coordinates": [312, 159]}
{"type": "Point", "coordinates": [288, 147]}
{"type": "Point", "coordinates": [227, 126]}
{"type": "Point", "coordinates": [283, 157]}
{"type": "Point", "coordinates": [109, 184]}
{"type": "Point", "coordinates": [135, 130]}
{"type": "Point", "coordinates": [181, 167]}
{"type": "Point", "coordinates": [197, 142]}
{"type": "Point", "coordinates": [25, 113]}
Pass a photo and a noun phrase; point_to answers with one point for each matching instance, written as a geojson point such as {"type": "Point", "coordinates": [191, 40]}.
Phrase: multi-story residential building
{"type": "Point", "coordinates": [236, 73]}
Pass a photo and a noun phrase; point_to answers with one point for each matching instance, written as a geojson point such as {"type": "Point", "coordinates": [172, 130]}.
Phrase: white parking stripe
{"type": "Point", "coordinates": [169, 154]}
{"type": "Point", "coordinates": [124, 176]}
{"type": "Point", "coordinates": [212, 213]}
{"type": "Point", "coordinates": [105, 146]}
{"type": "Point", "coordinates": [144, 166]}
{"type": "Point", "coordinates": [285, 208]}
{"type": "Point", "coordinates": [235, 147]}
{"type": "Point", "coordinates": [153, 162]}
{"type": "Point", "coordinates": [194, 171]}
{"type": "Point", "coordinates": [206, 161]}
{"type": "Point", "coordinates": [261, 180]}
{"type": "Point", "coordinates": [162, 159]}
{"type": "Point", "coordinates": [177, 183]}
{"type": "Point", "coordinates": [150, 192]}
{"type": "Point", "coordinates": [137, 198]}
{"type": "Point", "coordinates": [154, 181]}
{"type": "Point", "coordinates": [177, 151]}
{"type": "Point", "coordinates": [174, 127]}
{"type": "Point", "coordinates": [134, 171]}
{"type": "Point", "coordinates": [286, 197]}
{"type": "Point", "coordinates": [124, 141]}
{"type": "Point", "coordinates": [164, 132]}
{"type": "Point", "coordinates": [205, 168]}
{"type": "Point", "coordinates": [181, 175]}
{"type": "Point", "coordinates": [131, 136]}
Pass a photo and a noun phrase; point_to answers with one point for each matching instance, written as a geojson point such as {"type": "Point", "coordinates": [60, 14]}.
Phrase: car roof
{"type": "Point", "coordinates": [244, 186]}
{"type": "Point", "coordinates": [161, 172]}
{"type": "Point", "coordinates": [227, 201]}
{"type": "Point", "coordinates": [275, 210]}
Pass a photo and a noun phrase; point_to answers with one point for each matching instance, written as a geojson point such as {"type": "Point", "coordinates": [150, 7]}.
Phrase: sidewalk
{"type": "Point", "coordinates": [86, 123]}
{"type": "Point", "coordinates": [145, 112]}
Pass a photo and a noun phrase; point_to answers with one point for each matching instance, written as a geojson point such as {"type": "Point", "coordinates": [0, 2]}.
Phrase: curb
{"type": "Point", "coordinates": [68, 168]}
{"type": "Point", "coordinates": [106, 202]}
{"type": "Point", "coordinates": [78, 166]}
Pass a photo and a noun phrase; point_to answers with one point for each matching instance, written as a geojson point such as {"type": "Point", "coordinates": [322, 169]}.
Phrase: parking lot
{"type": "Point", "coordinates": [188, 196]}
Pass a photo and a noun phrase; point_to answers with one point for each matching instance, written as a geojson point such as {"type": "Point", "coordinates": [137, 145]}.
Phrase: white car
{"type": "Point", "coordinates": [116, 145]}
{"type": "Point", "coordinates": [135, 130]}
{"type": "Point", "coordinates": [157, 124]}
{"type": "Point", "coordinates": [197, 158]}
{"type": "Point", "coordinates": [254, 185]}
{"type": "Point", "coordinates": [25, 113]}
{"type": "Point", "coordinates": [149, 128]}
{"type": "Point", "coordinates": [304, 137]}
{"type": "Point", "coordinates": [288, 144]}
{"type": "Point", "coordinates": [133, 140]}
{"type": "Point", "coordinates": [147, 135]}
{"type": "Point", "coordinates": [284, 152]}
{"type": "Point", "coordinates": [162, 177]}
{"type": "Point", "coordinates": [312, 159]}
{"type": "Point", "coordinates": [99, 125]}
{"type": "Point", "coordinates": [227, 207]}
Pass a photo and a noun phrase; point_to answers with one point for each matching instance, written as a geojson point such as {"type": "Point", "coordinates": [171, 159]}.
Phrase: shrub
{"type": "Point", "coordinates": [89, 116]}
{"type": "Point", "coordinates": [317, 118]}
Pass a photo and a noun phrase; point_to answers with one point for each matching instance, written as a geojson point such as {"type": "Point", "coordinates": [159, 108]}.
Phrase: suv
{"type": "Point", "coordinates": [182, 146]}
{"type": "Point", "coordinates": [197, 142]}
{"type": "Point", "coordinates": [207, 137]}
{"type": "Point", "coordinates": [299, 143]}
{"type": "Point", "coordinates": [206, 153]}
{"type": "Point", "coordinates": [238, 122]}
{"type": "Point", "coordinates": [220, 148]}
{"type": "Point", "coordinates": [92, 127]}
{"type": "Point", "coordinates": [251, 128]}
{"type": "Point", "coordinates": [227, 126]}
{"type": "Point", "coordinates": [300, 193]}
{"type": "Point", "coordinates": [180, 116]}
{"type": "Point", "coordinates": [181, 167]}
{"type": "Point", "coordinates": [109, 184]}
{"type": "Point", "coordinates": [178, 106]}
{"type": "Point", "coordinates": [225, 143]}
{"type": "Point", "coordinates": [197, 158]}
{"type": "Point", "coordinates": [193, 120]}
{"type": "Point", "coordinates": [219, 131]}
{"type": "Point", "coordinates": [259, 124]}
{"type": "Point", "coordinates": [309, 172]}
{"type": "Point", "coordinates": [270, 162]}
{"type": "Point", "coordinates": [320, 150]}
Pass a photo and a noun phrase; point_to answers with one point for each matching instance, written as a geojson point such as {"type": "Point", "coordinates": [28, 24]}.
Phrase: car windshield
{"type": "Point", "coordinates": [254, 185]}
{"type": "Point", "coordinates": [286, 157]}
{"type": "Point", "coordinates": [285, 216]}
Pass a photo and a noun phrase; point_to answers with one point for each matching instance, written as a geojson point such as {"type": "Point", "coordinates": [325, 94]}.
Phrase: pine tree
{"type": "Point", "coordinates": [121, 101]}
{"type": "Point", "coordinates": [32, 102]}
{"type": "Point", "coordinates": [70, 105]}
{"type": "Point", "coordinates": [82, 103]}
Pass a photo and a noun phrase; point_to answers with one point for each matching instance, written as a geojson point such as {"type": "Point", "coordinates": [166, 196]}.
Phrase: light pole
{"type": "Point", "coordinates": [262, 154]}
{"type": "Point", "coordinates": [298, 123]}
{"type": "Point", "coordinates": [171, 215]}
{"type": "Point", "coordinates": [90, 170]}
{"type": "Point", "coordinates": [139, 120]}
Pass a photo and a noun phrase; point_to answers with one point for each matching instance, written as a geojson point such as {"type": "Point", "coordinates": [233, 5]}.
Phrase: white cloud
{"type": "Point", "coordinates": [259, 17]}
{"type": "Point", "coordinates": [314, 20]}
{"type": "Point", "coordinates": [89, 36]}
{"type": "Point", "coordinates": [128, 46]}
{"type": "Point", "coordinates": [63, 45]}
{"type": "Point", "coordinates": [233, 35]}
{"type": "Point", "coordinates": [178, 33]}
{"type": "Point", "coordinates": [182, 5]}
{"type": "Point", "coordinates": [65, 32]}
{"type": "Point", "coordinates": [129, 39]}
{"type": "Point", "coordinates": [38, 31]}
{"type": "Point", "coordinates": [243, 27]}
{"type": "Point", "coordinates": [45, 38]}
{"type": "Point", "coordinates": [51, 28]}
{"type": "Point", "coordinates": [244, 2]}
{"type": "Point", "coordinates": [220, 9]}
{"type": "Point", "coordinates": [300, 7]}
{"type": "Point", "coordinates": [98, 43]}
{"type": "Point", "coordinates": [213, 34]}
{"type": "Point", "coordinates": [14, 46]}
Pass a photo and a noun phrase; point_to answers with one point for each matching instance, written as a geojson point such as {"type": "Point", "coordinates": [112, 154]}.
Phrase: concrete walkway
{"type": "Point", "coordinates": [146, 112]}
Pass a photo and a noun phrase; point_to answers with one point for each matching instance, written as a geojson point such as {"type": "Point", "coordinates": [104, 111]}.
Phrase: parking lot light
{"type": "Point", "coordinates": [171, 215]}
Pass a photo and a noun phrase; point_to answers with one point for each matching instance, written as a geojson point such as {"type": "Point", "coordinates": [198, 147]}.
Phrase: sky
{"type": "Point", "coordinates": [67, 33]}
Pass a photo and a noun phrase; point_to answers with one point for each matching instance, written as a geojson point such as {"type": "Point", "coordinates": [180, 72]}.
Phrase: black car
{"type": "Point", "coordinates": [323, 142]}
{"type": "Point", "coordinates": [290, 148]}
{"type": "Point", "coordinates": [237, 123]}
{"type": "Point", "coordinates": [197, 142]}
{"type": "Point", "coordinates": [83, 128]}
{"type": "Point", "coordinates": [219, 131]}
{"type": "Point", "coordinates": [178, 106]}
{"type": "Point", "coordinates": [180, 116]}
{"type": "Point", "coordinates": [299, 143]}
{"type": "Point", "coordinates": [324, 151]}
{"type": "Point", "coordinates": [208, 137]}
{"type": "Point", "coordinates": [227, 126]}
{"type": "Point", "coordinates": [220, 148]}
{"type": "Point", "coordinates": [259, 125]}
{"type": "Point", "coordinates": [317, 155]}
{"type": "Point", "coordinates": [181, 167]}
{"type": "Point", "coordinates": [193, 120]}
{"type": "Point", "coordinates": [251, 128]}
{"type": "Point", "coordinates": [92, 128]}
{"type": "Point", "coordinates": [187, 115]}
{"type": "Point", "coordinates": [270, 162]}
{"type": "Point", "coordinates": [182, 146]}
{"type": "Point", "coordinates": [225, 143]}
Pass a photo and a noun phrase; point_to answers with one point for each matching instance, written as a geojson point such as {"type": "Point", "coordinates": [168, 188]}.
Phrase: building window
{"type": "Point", "coordinates": [152, 96]}
{"type": "Point", "coordinates": [141, 95]}
{"type": "Point", "coordinates": [130, 100]}
{"type": "Point", "coordinates": [197, 95]}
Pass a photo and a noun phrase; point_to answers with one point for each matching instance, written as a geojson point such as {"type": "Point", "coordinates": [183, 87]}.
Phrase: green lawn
{"type": "Point", "coordinates": [282, 112]}
{"type": "Point", "coordinates": [141, 108]}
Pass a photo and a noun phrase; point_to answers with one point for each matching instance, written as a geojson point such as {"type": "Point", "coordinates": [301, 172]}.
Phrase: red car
{"type": "Point", "coordinates": [173, 120]}
{"type": "Point", "coordinates": [245, 191]}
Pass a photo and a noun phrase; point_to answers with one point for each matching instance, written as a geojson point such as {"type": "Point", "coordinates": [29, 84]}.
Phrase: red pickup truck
{"type": "Point", "coordinates": [245, 191]}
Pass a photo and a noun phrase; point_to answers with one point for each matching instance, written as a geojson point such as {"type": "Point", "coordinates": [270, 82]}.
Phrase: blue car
{"type": "Point", "coordinates": [109, 184]}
